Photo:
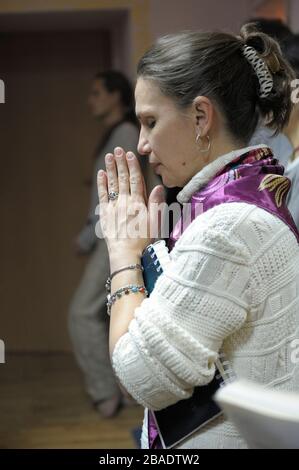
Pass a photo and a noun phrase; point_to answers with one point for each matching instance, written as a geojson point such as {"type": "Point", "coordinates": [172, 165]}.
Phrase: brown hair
{"type": "Point", "coordinates": [212, 64]}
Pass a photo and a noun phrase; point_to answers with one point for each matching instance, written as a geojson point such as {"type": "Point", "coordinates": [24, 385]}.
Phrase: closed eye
{"type": "Point", "coordinates": [151, 123]}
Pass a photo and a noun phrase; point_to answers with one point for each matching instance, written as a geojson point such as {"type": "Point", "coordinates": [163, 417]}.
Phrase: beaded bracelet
{"type": "Point", "coordinates": [123, 290]}
{"type": "Point", "coordinates": [131, 266]}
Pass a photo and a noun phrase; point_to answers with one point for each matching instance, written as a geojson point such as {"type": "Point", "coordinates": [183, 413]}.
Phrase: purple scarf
{"type": "Point", "coordinates": [254, 177]}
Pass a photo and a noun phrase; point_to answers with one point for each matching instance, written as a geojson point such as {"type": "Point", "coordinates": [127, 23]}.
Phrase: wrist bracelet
{"type": "Point", "coordinates": [123, 290]}
{"type": "Point", "coordinates": [130, 266]}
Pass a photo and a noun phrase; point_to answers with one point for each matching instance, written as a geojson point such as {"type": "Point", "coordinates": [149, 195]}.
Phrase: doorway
{"type": "Point", "coordinates": [47, 142]}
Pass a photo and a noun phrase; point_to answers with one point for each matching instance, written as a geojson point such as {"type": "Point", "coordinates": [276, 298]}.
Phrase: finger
{"type": "Point", "coordinates": [102, 186]}
{"type": "Point", "coordinates": [156, 208]}
{"type": "Point", "coordinates": [143, 181]}
{"type": "Point", "coordinates": [144, 189]}
{"type": "Point", "coordinates": [136, 177]}
{"type": "Point", "coordinates": [122, 171]}
{"type": "Point", "coordinates": [112, 179]}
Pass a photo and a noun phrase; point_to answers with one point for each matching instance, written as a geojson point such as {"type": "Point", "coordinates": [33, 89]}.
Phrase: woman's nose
{"type": "Point", "coordinates": [143, 146]}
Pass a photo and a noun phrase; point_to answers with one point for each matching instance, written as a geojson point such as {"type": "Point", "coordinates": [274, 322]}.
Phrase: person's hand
{"type": "Point", "coordinates": [127, 222]}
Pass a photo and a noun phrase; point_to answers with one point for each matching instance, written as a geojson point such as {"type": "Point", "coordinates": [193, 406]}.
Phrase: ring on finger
{"type": "Point", "coordinates": [112, 195]}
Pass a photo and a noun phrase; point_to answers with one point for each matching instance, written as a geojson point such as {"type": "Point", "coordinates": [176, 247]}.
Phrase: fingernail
{"type": "Point", "coordinates": [101, 173]}
{"type": "Point", "coordinates": [161, 192]}
{"type": "Point", "coordinates": [118, 151]}
{"type": "Point", "coordinates": [109, 158]}
{"type": "Point", "coordinates": [130, 155]}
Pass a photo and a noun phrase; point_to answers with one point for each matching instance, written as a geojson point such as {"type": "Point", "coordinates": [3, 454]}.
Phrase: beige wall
{"type": "Point", "coordinates": [169, 16]}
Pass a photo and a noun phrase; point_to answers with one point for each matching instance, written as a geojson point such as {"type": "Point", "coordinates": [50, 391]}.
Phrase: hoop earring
{"type": "Point", "coordinates": [209, 142]}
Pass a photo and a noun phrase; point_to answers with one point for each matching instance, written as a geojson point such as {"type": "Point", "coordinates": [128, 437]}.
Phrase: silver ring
{"type": "Point", "coordinates": [112, 195]}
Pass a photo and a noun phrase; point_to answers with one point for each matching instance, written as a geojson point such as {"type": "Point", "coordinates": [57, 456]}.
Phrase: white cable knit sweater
{"type": "Point", "coordinates": [233, 282]}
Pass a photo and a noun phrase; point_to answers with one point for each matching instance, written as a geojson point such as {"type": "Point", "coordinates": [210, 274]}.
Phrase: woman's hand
{"type": "Point", "coordinates": [127, 222]}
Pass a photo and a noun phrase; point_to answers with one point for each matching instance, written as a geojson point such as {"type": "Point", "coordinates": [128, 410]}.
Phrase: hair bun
{"type": "Point", "coordinates": [276, 105]}
{"type": "Point", "coordinates": [267, 48]}
{"type": "Point", "coordinates": [273, 63]}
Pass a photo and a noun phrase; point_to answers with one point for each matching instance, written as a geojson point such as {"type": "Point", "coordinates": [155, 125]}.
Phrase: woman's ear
{"type": "Point", "coordinates": [203, 111]}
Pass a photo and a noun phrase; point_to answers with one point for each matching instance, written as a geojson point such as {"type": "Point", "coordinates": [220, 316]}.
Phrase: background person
{"type": "Point", "coordinates": [111, 101]}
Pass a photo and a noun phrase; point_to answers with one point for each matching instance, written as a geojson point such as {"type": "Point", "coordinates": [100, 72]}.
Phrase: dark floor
{"type": "Point", "coordinates": [43, 405]}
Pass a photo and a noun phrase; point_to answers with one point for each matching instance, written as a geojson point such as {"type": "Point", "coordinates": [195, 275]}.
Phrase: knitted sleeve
{"type": "Point", "coordinates": [201, 298]}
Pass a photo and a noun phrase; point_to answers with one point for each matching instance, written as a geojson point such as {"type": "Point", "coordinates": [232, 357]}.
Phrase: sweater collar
{"type": "Point", "coordinates": [201, 178]}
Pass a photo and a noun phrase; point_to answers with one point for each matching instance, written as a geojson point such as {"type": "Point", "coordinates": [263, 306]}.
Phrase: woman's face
{"type": "Point", "coordinates": [101, 102]}
{"type": "Point", "coordinates": [167, 135]}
